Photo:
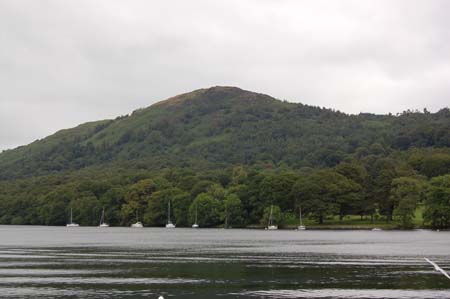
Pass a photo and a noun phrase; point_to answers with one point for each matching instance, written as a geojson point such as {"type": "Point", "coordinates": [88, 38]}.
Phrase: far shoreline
{"type": "Point", "coordinates": [254, 227]}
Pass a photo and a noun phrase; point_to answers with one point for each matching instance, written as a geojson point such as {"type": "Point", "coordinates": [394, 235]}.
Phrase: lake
{"type": "Point", "coordinates": [87, 262]}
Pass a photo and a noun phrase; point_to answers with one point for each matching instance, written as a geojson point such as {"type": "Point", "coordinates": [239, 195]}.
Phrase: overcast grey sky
{"type": "Point", "coordinates": [65, 62]}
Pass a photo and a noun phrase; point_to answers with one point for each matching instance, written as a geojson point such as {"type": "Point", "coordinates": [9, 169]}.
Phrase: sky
{"type": "Point", "coordinates": [63, 63]}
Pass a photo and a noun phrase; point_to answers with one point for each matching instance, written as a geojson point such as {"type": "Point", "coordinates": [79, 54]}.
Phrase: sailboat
{"type": "Point", "coordinates": [271, 226]}
{"type": "Point", "coordinates": [169, 223]}
{"type": "Point", "coordinates": [72, 224]}
{"type": "Point", "coordinates": [195, 225]}
{"type": "Point", "coordinates": [138, 224]}
{"type": "Point", "coordinates": [102, 220]}
{"type": "Point", "coordinates": [301, 226]}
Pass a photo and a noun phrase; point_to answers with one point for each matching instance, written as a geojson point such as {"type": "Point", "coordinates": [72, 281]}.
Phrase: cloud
{"type": "Point", "coordinates": [66, 62]}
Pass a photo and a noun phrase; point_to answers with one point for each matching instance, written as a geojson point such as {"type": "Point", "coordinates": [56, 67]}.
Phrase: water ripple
{"type": "Point", "coordinates": [350, 294]}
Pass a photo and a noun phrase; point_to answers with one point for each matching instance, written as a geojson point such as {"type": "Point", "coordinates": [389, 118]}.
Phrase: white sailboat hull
{"type": "Point", "coordinates": [137, 225]}
{"type": "Point", "coordinates": [170, 225]}
{"type": "Point", "coordinates": [195, 226]}
{"type": "Point", "coordinates": [272, 227]}
{"type": "Point", "coordinates": [72, 224]}
{"type": "Point", "coordinates": [104, 225]}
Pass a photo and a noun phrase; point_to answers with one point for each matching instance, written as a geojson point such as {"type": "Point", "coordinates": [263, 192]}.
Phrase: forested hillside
{"type": "Point", "coordinates": [226, 150]}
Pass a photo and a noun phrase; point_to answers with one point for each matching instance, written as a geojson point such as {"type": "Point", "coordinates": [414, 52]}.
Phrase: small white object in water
{"type": "Point", "coordinates": [160, 297]}
{"type": "Point", "coordinates": [437, 268]}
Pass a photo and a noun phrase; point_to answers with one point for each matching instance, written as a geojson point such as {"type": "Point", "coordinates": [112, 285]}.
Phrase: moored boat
{"type": "Point", "coordinates": [72, 224]}
{"type": "Point", "coordinates": [102, 220]}
{"type": "Point", "coordinates": [195, 225]}
{"type": "Point", "coordinates": [169, 223]}
{"type": "Point", "coordinates": [138, 224]}
{"type": "Point", "coordinates": [300, 226]}
{"type": "Point", "coordinates": [271, 225]}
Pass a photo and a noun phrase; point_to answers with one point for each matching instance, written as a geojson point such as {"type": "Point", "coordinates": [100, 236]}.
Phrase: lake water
{"type": "Point", "coordinates": [60, 262]}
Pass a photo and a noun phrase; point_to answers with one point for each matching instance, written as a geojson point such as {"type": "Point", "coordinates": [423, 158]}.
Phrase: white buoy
{"type": "Point", "coordinates": [160, 297]}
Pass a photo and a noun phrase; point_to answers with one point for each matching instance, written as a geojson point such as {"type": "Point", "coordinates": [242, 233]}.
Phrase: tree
{"type": "Point", "coordinates": [353, 171]}
{"type": "Point", "coordinates": [361, 204]}
{"type": "Point", "coordinates": [87, 210]}
{"type": "Point", "coordinates": [239, 175]}
{"type": "Point", "coordinates": [276, 189]}
{"type": "Point", "coordinates": [405, 212]}
{"type": "Point", "coordinates": [217, 192]}
{"type": "Point", "coordinates": [208, 210]}
{"type": "Point", "coordinates": [201, 187]}
{"type": "Point", "coordinates": [324, 193]}
{"type": "Point", "coordinates": [432, 165]}
{"type": "Point", "coordinates": [309, 193]}
{"type": "Point", "coordinates": [383, 173]}
{"type": "Point", "coordinates": [53, 212]}
{"type": "Point", "coordinates": [158, 204]}
{"type": "Point", "coordinates": [112, 200]}
{"type": "Point", "coordinates": [233, 213]}
{"type": "Point", "coordinates": [181, 201]}
{"type": "Point", "coordinates": [437, 211]}
{"type": "Point", "coordinates": [53, 209]}
{"type": "Point", "coordinates": [405, 194]}
{"type": "Point", "coordinates": [249, 194]}
{"type": "Point", "coordinates": [277, 216]}
{"type": "Point", "coordinates": [348, 195]}
{"type": "Point", "coordinates": [136, 199]}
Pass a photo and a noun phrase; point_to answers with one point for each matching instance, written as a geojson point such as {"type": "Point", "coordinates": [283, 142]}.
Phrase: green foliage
{"type": "Point", "coordinates": [53, 212]}
{"type": "Point", "coordinates": [86, 210]}
{"type": "Point", "coordinates": [54, 207]}
{"type": "Point", "coordinates": [437, 211]}
{"type": "Point", "coordinates": [383, 171]}
{"type": "Point", "coordinates": [276, 188]}
{"type": "Point", "coordinates": [406, 193]}
{"type": "Point", "coordinates": [277, 216]}
{"type": "Point", "coordinates": [112, 200]}
{"type": "Point", "coordinates": [233, 212]}
{"type": "Point", "coordinates": [431, 164]}
{"type": "Point", "coordinates": [220, 126]}
{"type": "Point", "coordinates": [158, 207]}
{"type": "Point", "coordinates": [231, 153]}
{"type": "Point", "coordinates": [326, 192]}
{"type": "Point", "coordinates": [208, 209]}
{"type": "Point", "coordinates": [136, 199]}
{"type": "Point", "coordinates": [181, 202]}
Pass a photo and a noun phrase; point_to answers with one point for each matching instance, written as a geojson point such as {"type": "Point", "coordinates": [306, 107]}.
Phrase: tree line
{"type": "Point", "coordinates": [374, 184]}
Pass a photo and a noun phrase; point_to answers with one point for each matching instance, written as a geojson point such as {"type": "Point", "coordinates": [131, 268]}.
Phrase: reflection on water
{"type": "Point", "coordinates": [60, 262]}
{"type": "Point", "coordinates": [348, 294]}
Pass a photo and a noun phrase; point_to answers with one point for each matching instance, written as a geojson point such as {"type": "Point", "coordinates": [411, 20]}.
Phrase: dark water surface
{"type": "Point", "coordinates": [60, 262]}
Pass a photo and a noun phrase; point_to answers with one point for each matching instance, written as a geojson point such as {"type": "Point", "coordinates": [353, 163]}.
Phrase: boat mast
{"type": "Point", "coordinates": [71, 215]}
{"type": "Point", "coordinates": [226, 216]}
{"type": "Point", "coordinates": [300, 215]}
{"type": "Point", "coordinates": [196, 214]}
{"type": "Point", "coordinates": [169, 213]}
{"type": "Point", "coordinates": [270, 216]}
{"type": "Point", "coordinates": [103, 216]}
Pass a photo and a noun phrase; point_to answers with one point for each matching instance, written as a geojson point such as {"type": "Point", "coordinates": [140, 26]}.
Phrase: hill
{"type": "Point", "coordinates": [230, 154]}
{"type": "Point", "coordinates": [223, 126]}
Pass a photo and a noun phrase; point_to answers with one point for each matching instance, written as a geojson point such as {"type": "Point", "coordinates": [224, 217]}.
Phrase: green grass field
{"type": "Point", "coordinates": [354, 222]}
